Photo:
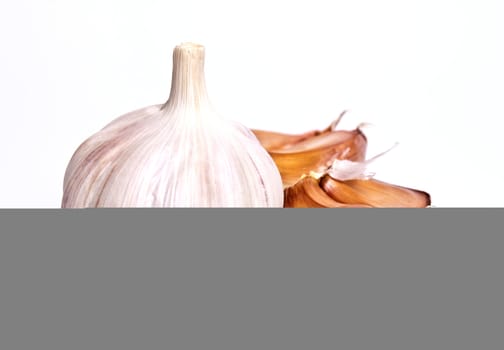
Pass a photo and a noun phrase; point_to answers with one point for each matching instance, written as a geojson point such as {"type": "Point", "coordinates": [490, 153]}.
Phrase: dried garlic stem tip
{"type": "Point", "coordinates": [188, 85]}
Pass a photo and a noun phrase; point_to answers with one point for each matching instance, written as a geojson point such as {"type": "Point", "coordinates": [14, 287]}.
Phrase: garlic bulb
{"type": "Point", "coordinates": [179, 154]}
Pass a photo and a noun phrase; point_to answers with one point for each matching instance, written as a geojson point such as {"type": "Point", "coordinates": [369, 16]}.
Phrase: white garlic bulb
{"type": "Point", "coordinates": [179, 154]}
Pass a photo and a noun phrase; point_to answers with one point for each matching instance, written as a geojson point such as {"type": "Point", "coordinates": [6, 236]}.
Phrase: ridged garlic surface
{"type": "Point", "coordinates": [179, 154]}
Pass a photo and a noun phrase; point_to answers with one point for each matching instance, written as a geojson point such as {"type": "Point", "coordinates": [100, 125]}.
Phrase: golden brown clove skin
{"type": "Point", "coordinates": [307, 193]}
{"type": "Point", "coordinates": [374, 193]}
{"type": "Point", "coordinates": [272, 140]}
{"type": "Point", "coordinates": [300, 160]}
{"type": "Point", "coordinates": [313, 151]}
{"type": "Point", "coordinates": [277, 141]}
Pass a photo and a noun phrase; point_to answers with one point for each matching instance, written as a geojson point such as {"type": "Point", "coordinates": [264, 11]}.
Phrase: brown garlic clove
{"type": "Point", "coordinates": [313, 151]}
{"type": "Point", "coordinates": [317, 154]}
{"type": "Point", "coordinates": [273, 141]}
{"type": "Point", "coordinates": [374, 193]}
{"type": "Point", "coordinates": [277, 141]}
{"type": "Point", "coordinates": [307, 193]}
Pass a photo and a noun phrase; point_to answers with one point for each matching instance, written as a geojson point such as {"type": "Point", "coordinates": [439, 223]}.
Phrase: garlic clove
{"type": "Point", "coordinates": [337, 168]}
{"type": "Point", "coordinates": [276, 141]}
{"type": "Point", "coordinates": [313, 151]}
{"type": "Point", "coordinates": [307, 193]}
{"type": "Point", "coordinates": [374, 193]}
{"type": "Point", "coordinates": [318, 153]}
{"type": "Point", "coordinates": [179, 154]}
{"type": "Point", "coordinates": [273, 141]}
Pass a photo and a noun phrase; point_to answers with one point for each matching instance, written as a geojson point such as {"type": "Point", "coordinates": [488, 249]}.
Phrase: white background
{"type": "Point", "coordinates": [428, 74]}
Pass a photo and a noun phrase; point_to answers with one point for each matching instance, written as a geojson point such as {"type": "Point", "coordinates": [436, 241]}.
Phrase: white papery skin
{"type": "Point", "coordinates": [344, 169]}
{"type": "Point", "coordinates": [180, 154]}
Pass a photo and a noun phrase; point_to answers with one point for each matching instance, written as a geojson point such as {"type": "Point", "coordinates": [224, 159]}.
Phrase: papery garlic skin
{"type": "Point", "coordinates": [179, 154]}
{"type": "Point", "coordinates": [344, 169]}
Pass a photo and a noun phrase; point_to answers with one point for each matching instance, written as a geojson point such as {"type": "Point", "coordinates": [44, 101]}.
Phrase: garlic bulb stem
{"type": "Point", "coordinates": [188, 86]}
